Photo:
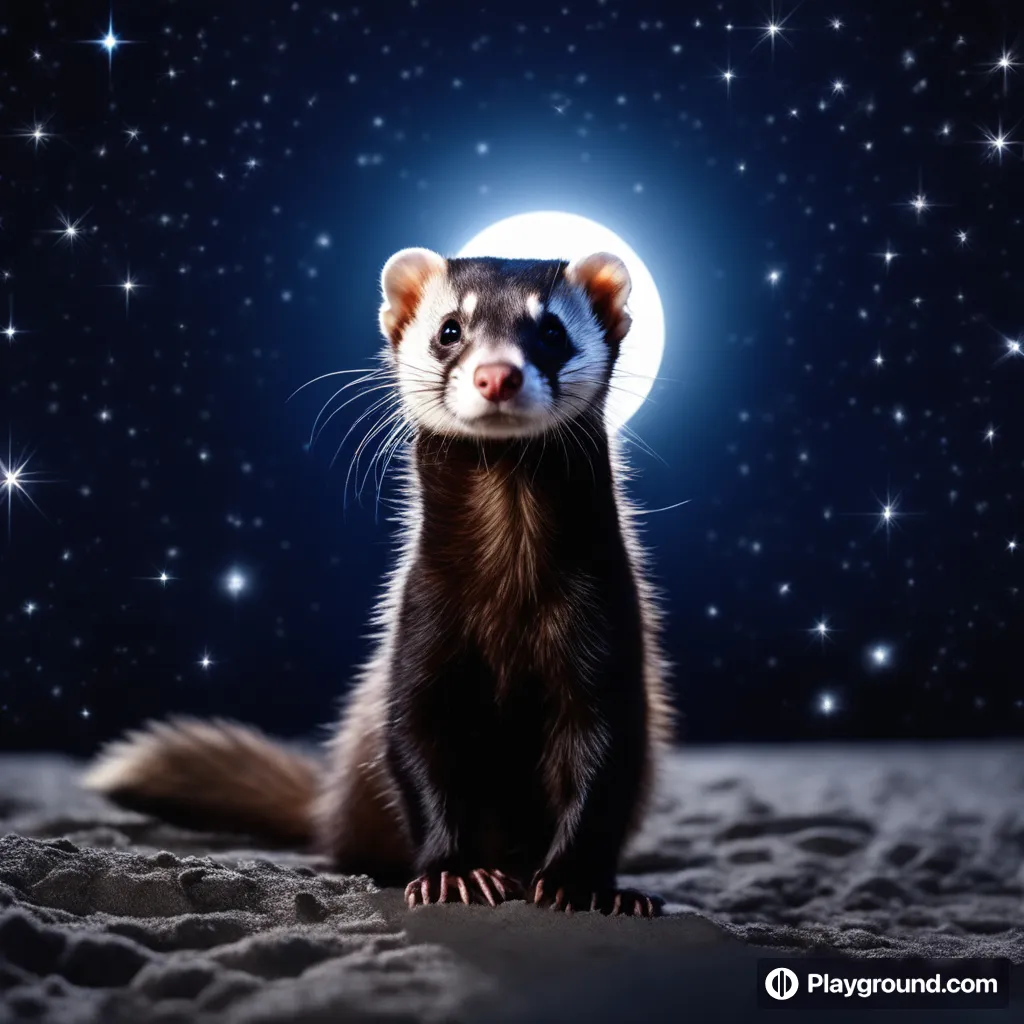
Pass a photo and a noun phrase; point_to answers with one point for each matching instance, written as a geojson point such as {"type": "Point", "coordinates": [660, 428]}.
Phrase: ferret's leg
{"type": "Point", "coordinates": [595, 769]}
{"type": "Point", "coordinates": [359, 823]}
{"type": "Point", "coordinates": [437, 725]}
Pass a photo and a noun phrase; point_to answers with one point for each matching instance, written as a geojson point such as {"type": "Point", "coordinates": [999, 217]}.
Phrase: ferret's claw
{"type": "Point", "coordinates": [615, 902]}
{"type": "Point", "coordinates": [488, 886]}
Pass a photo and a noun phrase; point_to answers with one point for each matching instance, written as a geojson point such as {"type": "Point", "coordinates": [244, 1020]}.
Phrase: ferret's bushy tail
{"type": "Point", "coordinates": [211, 775]}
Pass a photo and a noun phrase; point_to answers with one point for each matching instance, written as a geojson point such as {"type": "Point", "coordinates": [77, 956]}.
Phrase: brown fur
{"type": "Point", "coordinates": [213, 774]}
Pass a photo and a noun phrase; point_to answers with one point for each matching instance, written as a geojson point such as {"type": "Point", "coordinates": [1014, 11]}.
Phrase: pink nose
{"type": "Point", "coordinates": [498, 382]}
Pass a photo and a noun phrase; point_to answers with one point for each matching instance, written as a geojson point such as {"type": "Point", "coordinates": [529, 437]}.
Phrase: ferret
{"type": "Point", "coordinates": [502, 740]}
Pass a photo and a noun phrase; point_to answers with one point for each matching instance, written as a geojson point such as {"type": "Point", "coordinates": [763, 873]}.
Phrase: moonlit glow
{"type": "Point", "coordinates": [552, 234]}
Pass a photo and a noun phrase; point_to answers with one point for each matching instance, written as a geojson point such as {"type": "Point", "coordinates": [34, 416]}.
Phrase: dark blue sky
{"type": "Point", "coordinates": [250, 172]}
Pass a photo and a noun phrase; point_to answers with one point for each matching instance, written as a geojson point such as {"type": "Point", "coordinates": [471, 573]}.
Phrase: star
{"type": "Point", "coordinates": [1014, 348]}
{"type": "Point", "coordinates": [838, 86]}
{"type": "Point", "coordinates": [36, 134]}
{"type": "Point", "coordinates": [888, 256]}
{"type": "Point", "coordinates": [205, 661]}
{"type": "Point", "coordinates": [15, 478]}
{"type": "Point", "coordinates": [727, 76]}
{"type": "Point", "coordinates": [920, 204]}
{"type": "Point", "coordinates": [69, 231]}
{"type": "Point", "coordinates": [821, 630]}
{"type": "Point", "coordinates": [235, 582]}
{"type": "Point", "coordinates": [1011, 546]}
{"type": "Point", "coordinates": [998, 142]}
{"type": "Point", "coordinates": [133, 134]}
{"type": "Point", "coordinates": [774, 276]}
{"type": "Point", "coordinates": [880, 655]}
{"type": "Point", "coordinates": [990, 435]}
{"type": "Point", "coordinates": [1006, 62]}
{"type": "Point", "coordinates": [961, 237]}
{"type": "Point", "coordinates": [773, 29]}
{"type": "Point", "coordinates": [108, 42]}
{"type": "Point", "coordinates": [827, 704]}
{"type": "Point", "coordinates": [835, 24]}
{"type": "Point", "coordinates": [10, 330]}
{"type": "Point", "coordinates": [128, 286]}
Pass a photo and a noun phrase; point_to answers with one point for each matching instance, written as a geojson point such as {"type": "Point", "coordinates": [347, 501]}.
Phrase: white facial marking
{"type": "Point", "coordinates": [452, 402]}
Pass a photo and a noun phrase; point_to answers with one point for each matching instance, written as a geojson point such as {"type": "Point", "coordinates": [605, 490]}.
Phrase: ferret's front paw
{"type": "Point", "coordinates": [564, 894]}
{"type": "Point", "coordinates": [482, 885]}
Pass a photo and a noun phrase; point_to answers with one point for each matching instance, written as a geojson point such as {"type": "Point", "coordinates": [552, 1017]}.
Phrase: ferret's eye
{"type": "Point", "coordinates": [451, 332]}
{"type": "Point", "coordinates": [552, 331]}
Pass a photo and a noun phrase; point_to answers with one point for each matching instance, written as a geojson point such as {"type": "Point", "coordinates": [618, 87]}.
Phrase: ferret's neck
{"type": "Point", "coordinates": [551, 491]}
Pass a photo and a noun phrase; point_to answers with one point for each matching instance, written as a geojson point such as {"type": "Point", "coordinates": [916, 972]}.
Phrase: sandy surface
{"type": "Point", "coordinates": [107, 916]}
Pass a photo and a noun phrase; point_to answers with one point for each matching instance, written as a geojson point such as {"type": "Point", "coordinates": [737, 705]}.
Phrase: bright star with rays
{"type": "Point", "coordinates": [838, 87]}
{"type": "Point", "coordinates": [163, 578]}
{"type": "Point", "coordinates": [109, 42]}
{"type": "Point", "coordinates": [961, 237]}
{"type": "Point", "coordinates": [10, 331]}
{"type": "Point", "coordinates": [888, 256]}
{"type": "Point", "coordinates": [70, 231]}
{"type": "Point", "coordinates": [920, 204]}
{"type": "Point", "coordinates": [727, 76]}
{"type": "Point", "coordinates": [1011, 546]}
{"type": "Point", "coordinates": [1006, 63]}
{"type": "Point", "coordinates": [827, 704]}
{"type": "Point", "coordinates": [774, 276]}
{"type": "Point", "coordinates": [999, 142]}
{"type": "Point", "coordinates": [821, 631]}
{"type": "Point", "coordinates": [205, 661]}
{"type": "Point", "coordinates": [990, 435]}
{"type": "Point", "coordinates": [773, 29]}
{"type": "Point", "coordinates": [835, 24]}
{"type": "Point", "coordinates": [1014, 348]}
{"type": "Point", "coordinates": [133, 134]}
{"type": "Point", "coordinates": [128, 286]}
{"type": "Point", "coordinates": [15, 479]}
{"type": "Point", "coordinates": [36, 133]}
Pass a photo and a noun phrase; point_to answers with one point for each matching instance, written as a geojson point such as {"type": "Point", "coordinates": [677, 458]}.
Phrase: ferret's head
{"type": "Point", "coordinates": [500, 348]}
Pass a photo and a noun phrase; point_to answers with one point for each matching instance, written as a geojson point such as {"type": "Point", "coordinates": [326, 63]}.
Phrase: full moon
{"type": "Point", "coordinates": [551, 235]}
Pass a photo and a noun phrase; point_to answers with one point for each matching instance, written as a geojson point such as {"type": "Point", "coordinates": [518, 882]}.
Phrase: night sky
{"type": "Point", "coordinates": [194, 218]}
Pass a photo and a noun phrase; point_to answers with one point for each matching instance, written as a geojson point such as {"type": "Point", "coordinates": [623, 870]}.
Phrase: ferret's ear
{"type": "Point", "coordinates": [402, 281]}
{"type": "Point", "coordinates": [605, 280]}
